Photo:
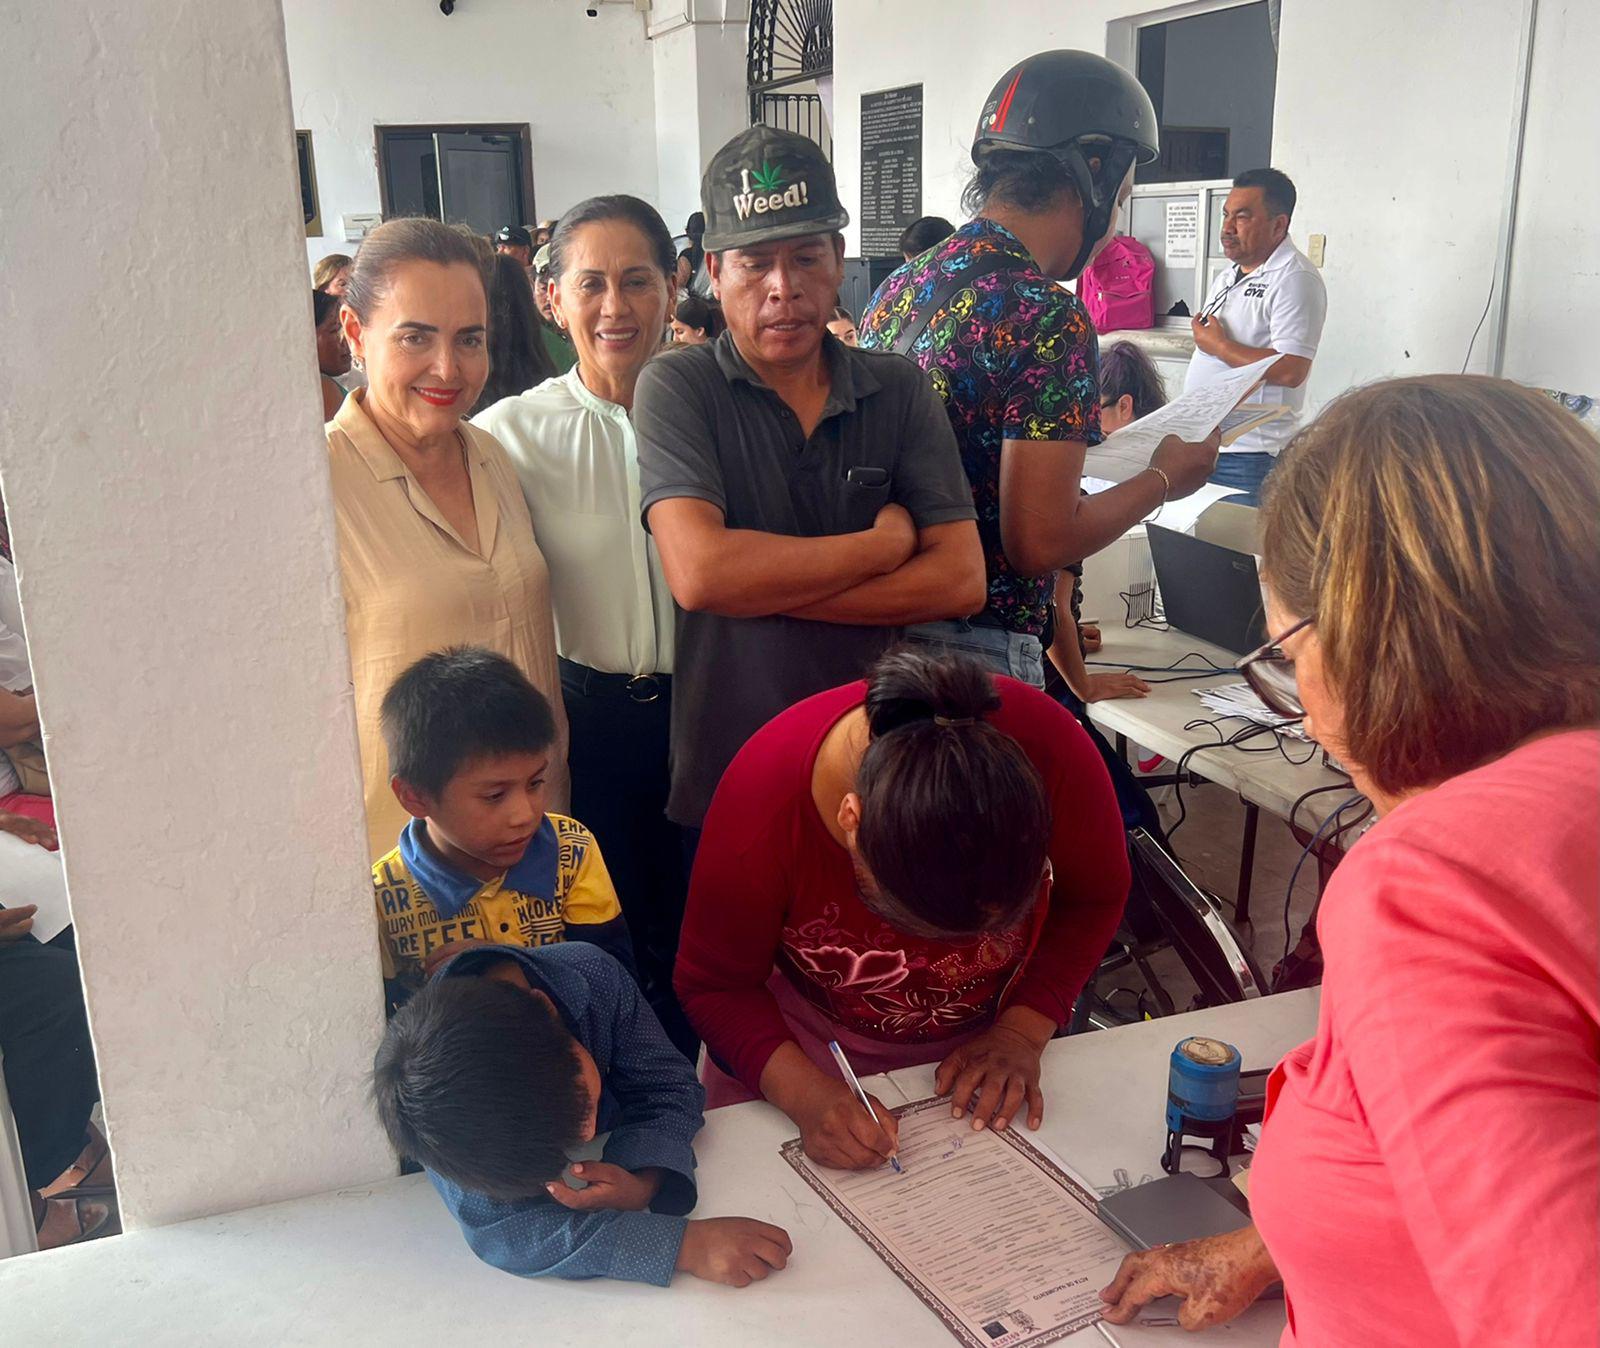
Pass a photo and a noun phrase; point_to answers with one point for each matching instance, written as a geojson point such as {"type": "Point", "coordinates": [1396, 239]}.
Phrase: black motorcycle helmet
{"type": "Point", "coordinates": [1078, 107]}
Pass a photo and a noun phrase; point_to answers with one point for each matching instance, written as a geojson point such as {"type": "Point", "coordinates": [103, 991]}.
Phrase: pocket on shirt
{"type": "Point", "coordinates": [862, 504]}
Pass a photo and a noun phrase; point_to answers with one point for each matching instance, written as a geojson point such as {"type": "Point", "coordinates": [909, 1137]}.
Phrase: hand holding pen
{"type": "Point", "coordinates": [881, 1118]}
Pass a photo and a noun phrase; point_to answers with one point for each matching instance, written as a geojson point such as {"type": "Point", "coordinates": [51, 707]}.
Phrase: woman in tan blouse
{"type": "Point", "coordinates": [436, 547]}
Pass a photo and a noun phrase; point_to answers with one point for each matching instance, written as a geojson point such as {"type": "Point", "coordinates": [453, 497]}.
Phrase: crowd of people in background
{"type": "Point", "coordinates": [748, 650]}
{"type": "Point", "coordinates": [721, 690]}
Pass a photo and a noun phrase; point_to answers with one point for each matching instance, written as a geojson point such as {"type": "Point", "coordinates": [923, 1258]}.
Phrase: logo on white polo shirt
{"type": "Point", "coordinates": [764, 192]}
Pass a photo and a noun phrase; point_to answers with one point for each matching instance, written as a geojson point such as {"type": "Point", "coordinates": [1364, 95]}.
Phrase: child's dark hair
{"type": "Point", "coordinates": [695, 312]}
{"type": "Point", "coordinates": [955, 825]}
{"type": "Point", "coordinates": [921, 235]}
{"type": "Point", "coordinates": [1124, 368]}
{"type": "Point", "coordinates": [478, 1081]}
{"type": "Point", "coordinates": [456, 705]}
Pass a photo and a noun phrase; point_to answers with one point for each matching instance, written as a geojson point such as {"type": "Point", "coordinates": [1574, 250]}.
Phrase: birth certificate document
{"type": "Point", "coordinates": [996, 1239]}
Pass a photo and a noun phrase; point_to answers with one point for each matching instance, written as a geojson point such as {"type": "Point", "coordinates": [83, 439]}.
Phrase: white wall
{"type": "Point", "coordinates": [1393, 121]}
{"type": "Point", "coordinates": [698, 48]}
{"type": "Point", "coordinates": [1553, 328]}
{"type": "Point", "coordinates": [585, 87]}
{"type": "Point", "coordinates": [167, 484]}
{"type": "Point", "coordinates": [1400, 159]}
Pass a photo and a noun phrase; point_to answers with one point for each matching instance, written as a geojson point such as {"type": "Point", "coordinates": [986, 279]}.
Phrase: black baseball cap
{"type": "Point", "coordinates": [515, 235]}
{"type": "Point", "coordinates": [765, 185]}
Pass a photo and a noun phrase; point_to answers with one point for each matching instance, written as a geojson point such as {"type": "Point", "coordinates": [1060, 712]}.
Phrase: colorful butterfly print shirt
{"type": "Point", "coordinates": [1013, 355]}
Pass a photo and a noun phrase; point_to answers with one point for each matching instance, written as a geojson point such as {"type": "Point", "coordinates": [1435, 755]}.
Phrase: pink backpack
{"type": "Point", "coordinates": [1117, 287]}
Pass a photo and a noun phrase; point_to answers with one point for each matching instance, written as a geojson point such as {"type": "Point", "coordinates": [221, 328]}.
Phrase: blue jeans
{"type": "Point", "coordinates": [1247, 472]}
{"type": "Point", "coordinates": [1014, 653]}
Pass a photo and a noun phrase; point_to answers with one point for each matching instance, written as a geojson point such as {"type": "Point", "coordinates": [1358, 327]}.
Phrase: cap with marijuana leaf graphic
{"type": "Point", "coordinates": [765, 185]}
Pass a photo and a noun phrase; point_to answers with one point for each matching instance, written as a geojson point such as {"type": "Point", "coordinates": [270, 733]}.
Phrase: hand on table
{"type": "Point", "coordinates": [1104, 686]}
{"type": "Point", "coordinates": [607, 1188]}
{"type": "Point", "coordinates": [1218, 1278]}
{"type": "Point", "coordinates": [836, 1131]}
{"type": "Point", "coordinates": [15, 923]}
{"type": "Point", "coordinates": [1000, 1068]}
{"type": "Point", "coordinates": [1089, 634]}
{"type": "Point", "coordinates": [733, 1250]}
{"type": "Point", "coordinates": [29, 830]}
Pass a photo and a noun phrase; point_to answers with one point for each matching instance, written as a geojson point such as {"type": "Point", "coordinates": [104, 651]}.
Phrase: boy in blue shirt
{"type": "Point", "coordinates": [507, 1060]}
{"type": "Point", "coordinates": [469, 743]}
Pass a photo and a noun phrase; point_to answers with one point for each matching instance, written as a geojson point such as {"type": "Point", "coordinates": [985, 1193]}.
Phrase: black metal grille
{"type": "Point", "coordinates": [791, 41]}
{"type": "Point", "coordinates": [800, 113]}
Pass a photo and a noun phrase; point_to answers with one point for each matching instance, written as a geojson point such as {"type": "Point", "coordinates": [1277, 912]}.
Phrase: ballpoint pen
{"type": "Point", "coordinates": [861, 1095]}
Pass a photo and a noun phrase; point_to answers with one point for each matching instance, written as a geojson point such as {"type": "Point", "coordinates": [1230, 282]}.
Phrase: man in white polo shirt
{"type": "Point", "coordinates": [1271, 302]}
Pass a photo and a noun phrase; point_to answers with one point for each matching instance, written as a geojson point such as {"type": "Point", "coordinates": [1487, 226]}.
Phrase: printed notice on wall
{"type": "Point", "coordinates": [1183, 233]}
{"type": "Point", "coordinates": [891, 167]}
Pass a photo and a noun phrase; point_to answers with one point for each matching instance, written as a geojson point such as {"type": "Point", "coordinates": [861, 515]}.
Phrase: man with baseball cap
{"type": "Point", "coordinates": [515, 241]}
{"type": "Point", "coordinates": [1013, 353]}
{"type": "Point", "coordinates": [806, 497]}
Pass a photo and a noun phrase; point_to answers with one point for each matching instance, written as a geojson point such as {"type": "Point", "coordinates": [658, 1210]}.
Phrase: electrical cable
{"type": "Point", "coordinates": [1288, 895]}
{"type": "Point", "coordinates": [1236, 740]}
{"type": "Point", "coordinates": [1147, 620]}
{"type": "Point", "coordinates": [1487, 300]}
{"type": "Point", "coordinates": [1211, 669]}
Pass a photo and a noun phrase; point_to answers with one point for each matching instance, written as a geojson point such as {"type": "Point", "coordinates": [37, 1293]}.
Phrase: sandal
{"type": "Point", "coordinates": [92, 1168]}
{"type": "Point", "coordinates": [91, 1214]}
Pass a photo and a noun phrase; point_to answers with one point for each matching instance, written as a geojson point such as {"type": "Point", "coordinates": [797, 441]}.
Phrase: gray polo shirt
{"type": "Point", "coordinates": [709, 429]}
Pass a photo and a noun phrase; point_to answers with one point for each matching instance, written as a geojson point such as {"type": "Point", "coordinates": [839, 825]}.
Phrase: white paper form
{"type": "Point", "coordinates": [30, 874]}
{"type": "Point", "coordinates": [1191, 416]}
{"type": "Point", "coordinates": [994, 1238]}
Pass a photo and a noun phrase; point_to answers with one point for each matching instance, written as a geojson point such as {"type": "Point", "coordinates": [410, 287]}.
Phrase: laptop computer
{"type": "Point", "coordinates": [1207, 590]}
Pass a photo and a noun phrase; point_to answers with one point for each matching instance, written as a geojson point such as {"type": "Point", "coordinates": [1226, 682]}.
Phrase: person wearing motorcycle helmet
{"type": "Point", "coordinates": [1013, 354]}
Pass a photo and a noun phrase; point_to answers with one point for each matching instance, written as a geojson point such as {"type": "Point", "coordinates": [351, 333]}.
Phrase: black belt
{"type": "Point", "coordinates": [597, 683]}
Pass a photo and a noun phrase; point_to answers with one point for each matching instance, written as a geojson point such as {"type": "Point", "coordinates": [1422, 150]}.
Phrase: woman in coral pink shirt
{"type": "Point", "coordinates": [925, 867]}
{"type": "Point", "coordinates": [1429, 1170]}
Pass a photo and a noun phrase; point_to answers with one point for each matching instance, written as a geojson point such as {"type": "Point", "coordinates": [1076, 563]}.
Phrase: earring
{"type": "Point", "coordinates": [358, 362]}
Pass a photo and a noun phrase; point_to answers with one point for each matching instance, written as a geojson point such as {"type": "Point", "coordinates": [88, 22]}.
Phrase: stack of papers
{"type": "Point", "coordinates": [1237, 700]}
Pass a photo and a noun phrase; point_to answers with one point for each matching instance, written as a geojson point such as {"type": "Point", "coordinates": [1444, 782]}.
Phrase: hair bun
{"type": "Point", "coordinates": [913, 684]}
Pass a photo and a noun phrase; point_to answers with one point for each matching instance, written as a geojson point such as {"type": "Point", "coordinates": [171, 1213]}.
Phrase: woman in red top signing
{"type": "Point", "coordinates": [1429, 1172]}
{"type": "Point", "coordinates": [925, 867]}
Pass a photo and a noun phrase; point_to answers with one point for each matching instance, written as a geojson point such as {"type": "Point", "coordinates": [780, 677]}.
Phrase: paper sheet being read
{"type": "Point", "coordinates": [995, 1238]}
{"type": "Point", "coordinates": [30, 874]}
{"type": "Point", "coordinates": [1192, 417]}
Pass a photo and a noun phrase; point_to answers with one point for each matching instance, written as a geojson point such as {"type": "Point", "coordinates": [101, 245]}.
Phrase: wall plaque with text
{"type": "Point", "coordinates": [891, 167]}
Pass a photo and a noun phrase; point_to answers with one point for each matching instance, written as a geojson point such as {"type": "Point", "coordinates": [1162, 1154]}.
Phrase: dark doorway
{"type": "Point", "coordinates": [1213, 79]}
{"type": "Point", "coordinates": [480, 176]}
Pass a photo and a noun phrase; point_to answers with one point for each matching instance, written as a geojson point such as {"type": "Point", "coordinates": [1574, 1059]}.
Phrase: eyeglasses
{"type": "Point", "coordinates": [1270, 674]}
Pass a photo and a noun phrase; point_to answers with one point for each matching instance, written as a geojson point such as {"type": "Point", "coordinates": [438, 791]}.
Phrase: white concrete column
{"type": "Point", "coordinates": [698, 48]}
{"type": "Point", "coordinates": [165, 473]}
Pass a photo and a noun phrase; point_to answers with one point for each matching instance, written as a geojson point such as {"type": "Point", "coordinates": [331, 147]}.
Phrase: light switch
{"type": "Point", "coordinates": [1315, 246]}
{"type": "Point", "coordinates": [357, 227]}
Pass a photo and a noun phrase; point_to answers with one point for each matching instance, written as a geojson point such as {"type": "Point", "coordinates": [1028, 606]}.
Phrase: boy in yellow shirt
{"type": "Point", "coordinates": [480, 863]}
